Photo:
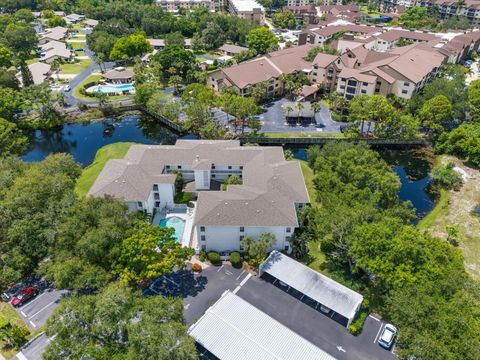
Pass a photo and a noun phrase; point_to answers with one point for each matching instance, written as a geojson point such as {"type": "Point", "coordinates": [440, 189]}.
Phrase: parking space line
{"type": "Point", "coordinates": [32, 323]}
{"type": "Point", "coordinates": [236, 289]}
{"type": "Point", "coordinates": [20, 356]}
{"type": "Point", "coordinates": [34, 300]}
{"type": "Point", "coordinates": [155, 291]}
{"type": "Point", "coordinates": [21, 312]}
{"type": "Point", "coordinates": [221, 267]}
{"type": "Point", "coordinates": [173, 282]}
{"type": "Point", "coordinates": [374, 318]}
{"type": "Point", "coordinates": [239, 276]}
{"type": "Point", "coordinates": [39, 311]}
{"type": "Point", "coordinates": [378, 333]}
{"type": "Point", "coordinates": [246, 279]}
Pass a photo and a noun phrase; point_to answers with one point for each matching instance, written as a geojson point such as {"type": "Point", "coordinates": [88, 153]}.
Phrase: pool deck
{"type": "Point", "coordinates": [186, 214]}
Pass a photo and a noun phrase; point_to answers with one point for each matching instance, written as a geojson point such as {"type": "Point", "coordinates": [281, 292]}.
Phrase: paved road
{"type": "Point", "coordinates": [36, 312]}
{"type": "Point", "coordinates": [33, 350]}
{"type": "Point", "coordinates": [313, 325]}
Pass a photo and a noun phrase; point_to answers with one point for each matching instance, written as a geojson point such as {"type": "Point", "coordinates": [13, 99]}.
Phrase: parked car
{"type": "Point", "coordinates": [67, 88]}
{"type": "Point", "coordinates": [25, 295]}
{"type": "Point", "coordinates": [388, 336]}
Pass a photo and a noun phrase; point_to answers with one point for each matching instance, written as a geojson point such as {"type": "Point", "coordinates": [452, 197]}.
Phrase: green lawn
{"type": "Point", "coordinates": [90, 173]}
{"type": "Point", "coordinates": [75, 68]}
{"type": "Point", "coordinates": [364, 9]}
{"type": "Point", "coordinates": [304, 135]}
{"type": "Point", "coordinates": [32, 61]}
{"type": "Point", "coordinates": [8, 314]}
{"type": "Point", "coordinates": [76, 91]}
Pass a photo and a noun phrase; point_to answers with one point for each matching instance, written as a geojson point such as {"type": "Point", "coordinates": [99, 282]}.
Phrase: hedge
{"type": "Point", "coordinates": [236, 259]}
{"type": "Point", "coordinates": [214, 258]}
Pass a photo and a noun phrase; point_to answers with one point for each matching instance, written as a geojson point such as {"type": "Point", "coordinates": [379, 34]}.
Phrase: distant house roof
{"type": "Point", "coordinates": [394, 35]}
{"type": "Point", "coordinates": [39, 72]}
{"type": "Point", "coordinates": [118, 73]}
{"type": "Point", "coordinates": [91, 22]}
{"type": "Point", "coordinates": [357, 75]}
{"type": "Point", "coordinates": [56, 33]}
{"type": "Point", "coordinates": [157, 42]}
{"type": "Point", "coordinates": [234, 49]}
{"type": "Point", "coordinates": [316, 286]}
{"type": "Point", "coordinates": [232, 329]}
{"type": "Point", "coordinates": [271, 185]}
{"type": "Point", "coordinates": [74, 17]}
{"type": "Point", "coordinates": [55, 49]}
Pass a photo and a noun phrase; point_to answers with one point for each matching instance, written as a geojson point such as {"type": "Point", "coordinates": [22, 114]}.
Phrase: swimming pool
{"type": "Point", "coordinates": [176, 223]}
{"type": "Point", "coordinates": [112, 88]}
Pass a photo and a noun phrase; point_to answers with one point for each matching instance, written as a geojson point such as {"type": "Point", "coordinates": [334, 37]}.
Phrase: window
{"type": "Point", "coordinates": [213, 166]}
{"type": "Point", "coordinates": [404, 91]}
{"type": "Point", "coordinates": [202, 228]}
{"type": "Point", "coordinates": [406, 83]}
{"type": "Point", "coordinates": [241, 237]}
{"type": "Point", "coordinates": [167, 167]}
{"type": "Point", "coordinates": [379, 83]}
{"type": "Point", "coordinates": [213, 176]}
{"type": "Point", "coordinates": [202, 237]}
{"type": "Point", "coordinates": [300, 206]}
{"type": "Point", "coordinates": [365, 84]}
{"type": "Point", "coordinates": [351, 90]}
{"type": "Point", "coordinates": [156, 196]}
{"type": "Point", "coordinates": [241, 167]}
{"type": "Point", "coordinates": [179, 166]}
{"type": "Point", "coordinates": [286, 247]}
{"type": "Point", "coordinates": [342, 87]}
{"type": "Point", "coordinates": [242, 229]}
{"type": "Point", "coordinates": [155, 187]}
{"type": "Point", "coordinates": [204, 247]}
{"type": "Point", "coordinates": [289, 229]}
{"type": "Point", "coordinates": [352, 82]}
{"type": "Point", "coordinates": [139, 204]}
{"type": "Point", "coordinates": [157, 204]}
{"type": "Point", "coordinates": [241, 247]}
{"type": "Point", "coordinates": [364, 91]}
{"type": "Point", "coordinates": [229, 168]}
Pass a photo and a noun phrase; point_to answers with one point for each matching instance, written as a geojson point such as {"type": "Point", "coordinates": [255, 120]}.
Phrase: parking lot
{"type": "Point", "coordinates": [34, 349]}
{"type": "Point", "coordinates": [273, 120]}
{"type": "Point", "coordinates": [200, 291]}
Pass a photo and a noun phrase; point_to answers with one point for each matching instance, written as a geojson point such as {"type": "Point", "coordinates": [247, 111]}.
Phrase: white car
{"type": "Point", "coordinates": [388, 336]}
{"type": "Point", "coordinates": [67, 88]}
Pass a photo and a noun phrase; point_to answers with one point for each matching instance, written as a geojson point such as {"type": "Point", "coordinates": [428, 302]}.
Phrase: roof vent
{"type": "Point", "coordinates": [258, 211]}
{"type": "Point", "coordinates": [246, 203]}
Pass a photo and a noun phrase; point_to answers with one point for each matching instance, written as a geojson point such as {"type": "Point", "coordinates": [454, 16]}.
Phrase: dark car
{"type": "Point", "coordinates": [25, 295]}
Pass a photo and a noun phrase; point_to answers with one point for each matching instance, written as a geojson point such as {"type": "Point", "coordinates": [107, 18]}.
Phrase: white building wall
{"type": "Point", "coordinates": [227, 238]}
{"type": "Point", "coordinates": [400, 88]}
{"type": "Point", "coordinates": [167, 193]}
{"type": "Point", "coordinates": [202, 179]}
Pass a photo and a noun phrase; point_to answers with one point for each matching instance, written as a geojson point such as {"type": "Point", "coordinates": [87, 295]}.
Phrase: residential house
{"type": "Point", "coordinates": [73, 18]}
{"type": "Point", "coordinates": [325, 34]}
{"type": "Point", "coordinates": [57, 33]}
{"type": "Point", "coordinates": [231, 50]}
{"type": "Point", "coordinates": [90, 23]}
{"type": "Point", "coordinates": [247, 9]}
{"type": "Point", "coordinates": [40, 73]}
{"type": "Point", "coordinates": [53, 50]}
{"type": "Point", "coordinates": [272, 192]}
{"type": "Point", "coordinates": [289, 3]}
{"type": "Point", "coordinates": [119, 75]}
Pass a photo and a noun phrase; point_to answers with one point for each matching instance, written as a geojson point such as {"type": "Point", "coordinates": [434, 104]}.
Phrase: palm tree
{"type": "Point", "coordinates": [300, 107]}
{"type": "Point", "coordinates": [316, 106]}
{"type": "Point", "coordinates": [288, 109]}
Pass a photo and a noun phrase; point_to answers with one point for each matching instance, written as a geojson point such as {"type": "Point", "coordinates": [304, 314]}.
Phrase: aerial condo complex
{"type": "Point", "coordinates": [240, 179]}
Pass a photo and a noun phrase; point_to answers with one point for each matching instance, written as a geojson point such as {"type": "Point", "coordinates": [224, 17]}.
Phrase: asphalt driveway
{"type": "Point", "coordinates": [313, 325]}
{"type": "Point", "coordinates": [198, 290]}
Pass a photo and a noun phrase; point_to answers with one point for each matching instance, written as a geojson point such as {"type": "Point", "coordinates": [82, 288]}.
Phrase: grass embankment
{"type": "Point", "coordinates": [90, 173]}
{"type": "Point", "coordinates": [7, 314]}
{"type": "Point", "coordinates": [75, 68]}
{"type": "Point", "coordinates": [316, 258]}
{"type": "Point", "coordinates": [373, 14]}
{"type": "Point", "coordinates": [455, 208]}
{"type": "Point", "coordinates": [304, 135]}
{"type": "Point", "coordinates": [76, 46]}
{"type": "Point", "coordinates": [76, 91]}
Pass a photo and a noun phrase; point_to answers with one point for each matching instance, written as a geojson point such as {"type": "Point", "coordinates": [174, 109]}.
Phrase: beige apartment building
{"type": "Point", "coordinates": [247, 9]}
{"type": "Point", "coordinates": [175, 5]}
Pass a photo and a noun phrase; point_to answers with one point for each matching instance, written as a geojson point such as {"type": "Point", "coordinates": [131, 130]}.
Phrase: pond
{"type": "Point", "coordinates": [413, 168]}
{"type": "Point", "coordinates": [83, 140]}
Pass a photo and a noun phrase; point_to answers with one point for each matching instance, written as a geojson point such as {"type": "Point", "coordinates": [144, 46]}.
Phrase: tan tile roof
{"type": "Point", "coordinates": [357, 75]}
{"type": "Point", "coordinates": [118, 73]}
{"type": "Point", "coordinates": [234, 49]}
{"type": "Point", "coordinates": [323, 60]}
{"type": "Point", "coordinates": [394, 35]}
{"type": "Point", "coordinates": [251, 72]}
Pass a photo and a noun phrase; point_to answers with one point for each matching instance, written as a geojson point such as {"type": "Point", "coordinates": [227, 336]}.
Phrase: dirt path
{"type": "Point", "coordinates": [459, 212]}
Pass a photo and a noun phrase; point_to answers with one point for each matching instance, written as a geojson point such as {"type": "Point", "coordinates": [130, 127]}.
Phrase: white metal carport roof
{"type": "Point", "coordinates": [316, 286]}
{"type": "Point", "coordinates": [233, 329]}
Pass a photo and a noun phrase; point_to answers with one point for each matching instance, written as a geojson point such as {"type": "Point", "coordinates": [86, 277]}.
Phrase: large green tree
{"type": "Point", "coordinates": [262, 40]}
{"type": "Point", "coordinates": [12, 140]}
{"type": "Point", "coordinates": [118, 324]}
{"type": "Point", "coordinates": [130, 46]}
{"type": "Point", "coordinates": [150, 251]}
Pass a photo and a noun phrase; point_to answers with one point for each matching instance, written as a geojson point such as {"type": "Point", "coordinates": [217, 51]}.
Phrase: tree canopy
{"type": "Point", "coordinates": [262, 40]}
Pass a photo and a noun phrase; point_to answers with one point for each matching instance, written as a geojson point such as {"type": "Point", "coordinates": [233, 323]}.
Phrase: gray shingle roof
{"type": "Point", "coordinates": [271, 185]}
